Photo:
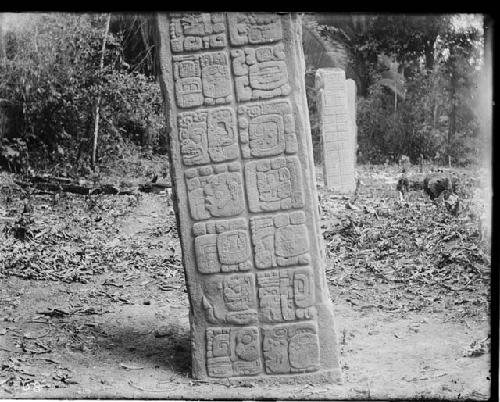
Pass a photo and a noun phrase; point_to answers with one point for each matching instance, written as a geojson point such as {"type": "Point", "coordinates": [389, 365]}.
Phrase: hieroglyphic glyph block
{"type": "Point", "coordinates": [197, 31]}
{"type": "Point", "coordinates": [245, 197]}
{"type": "Point", "coordinates": [280, 240]}
{"type": "Point", "coordinates": [286, 294]}
{"type": "Point", "coordinates": [233, 351]}
{"type": "Point", "coordinates": [230, 299]}
{"type": "Point", "coordinates": [260, 73]}
{"type": "Point", "coordinates": [208, 136]}
{"type": "Point", "coordinates": [202, 79]}
{"type": "Point", "coordinates": [215, 191]}
{"type": "Point", "coordinates": [337, 130]}
{"type": "Point", "coordinates": [274, 184]}
{"type": "Point", "coordinates": [222, 246]}
{"type": "Point", "coordinates": [254, 28]}
{"type": "Point", "coordinates": [266, 129]}
{"type": "Point", "coordinates": [292, 348]}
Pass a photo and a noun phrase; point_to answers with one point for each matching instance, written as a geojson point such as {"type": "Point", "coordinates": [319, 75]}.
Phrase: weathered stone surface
{"type": "Point", "coordinates": [351, 109]}
{"type": "Point", "coordinates": [245, 197]}
{"type": "Point", "coordinates": [337, 129]}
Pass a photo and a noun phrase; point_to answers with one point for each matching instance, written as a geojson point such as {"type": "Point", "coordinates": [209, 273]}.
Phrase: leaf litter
{"type": "Point", "coordinates": [406, 256]}
{"type": "Point", "coordinates": [383, 253]}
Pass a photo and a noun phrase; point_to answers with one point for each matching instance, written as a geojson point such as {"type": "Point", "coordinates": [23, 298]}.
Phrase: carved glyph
{"type": "Point", "coordinates": [274, 184]}
{"type": "Point", "coordinates": [222, 246]}
{"type": "Point", "coordinates": [215, 191]}
{"type": "Point", "coordinates": [208, 136]}
{"type": "Point", "coordinates": [260, 73]}
{"type": "Point", "coordinates": [197, 31]}
{"type": "Point", "coordinates": [230, 299]}
{"type": "Point", "coordinates": [291, 348]}
{"type": "Point", "coordinates": [202, 79]}
{"type": "Point", "coordinates": [267, 129]}
{"type": "Point", "coordinates": [280, 240]}
{"type": "Point", "coordinates": [286, 295]}
{"type": "Point", "coordinates": [233, 351]}
{"type": "Point", "coordinates": [254, 28]}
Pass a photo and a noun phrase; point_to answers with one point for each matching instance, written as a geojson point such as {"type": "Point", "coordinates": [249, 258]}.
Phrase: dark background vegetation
{"type": "Point", "coordinates": [416, 79]}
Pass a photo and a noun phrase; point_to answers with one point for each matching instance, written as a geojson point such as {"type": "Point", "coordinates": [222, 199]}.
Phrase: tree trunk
{"type": "Point", "coordinates": [2, 42]}
{"type": "Point", "coordinates": [429, 56]}
{"type": "Point", "coordinates": [435, 113]}
{"type": "Point", "coordinates": [98, 100]}
{"type": "Point", "coordinates": [452, 116]}
{"type": "Point", "coordinates": [452, 123]}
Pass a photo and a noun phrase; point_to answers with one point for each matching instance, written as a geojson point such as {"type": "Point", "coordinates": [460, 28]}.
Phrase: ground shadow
{"type": "Point", "coordinates": [168, 348]}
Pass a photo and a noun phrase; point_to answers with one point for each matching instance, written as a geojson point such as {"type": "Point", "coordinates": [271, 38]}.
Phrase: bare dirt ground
{"type": "Point", "coordinates": [94, 305]}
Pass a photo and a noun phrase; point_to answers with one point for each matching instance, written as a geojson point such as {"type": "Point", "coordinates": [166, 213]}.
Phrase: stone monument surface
{"type": "Point", "coordinates": [337, 126]}
{"type": "Point", "coordinates": [245, 197]}
{"type": "Point", "coordinates": [351, 110]}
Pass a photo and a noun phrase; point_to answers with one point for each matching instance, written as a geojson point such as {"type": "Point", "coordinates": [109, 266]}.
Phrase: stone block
{"type": "Point", "coordinates": [245, 197]}
{"type": "Point", "coordinates": [337, 113]}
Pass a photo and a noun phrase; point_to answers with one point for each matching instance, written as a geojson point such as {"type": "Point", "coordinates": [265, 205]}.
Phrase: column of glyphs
{"type": "Point", "coordinates": [240, 185]}
{"type": "Point", "coordinates": [338, 128]}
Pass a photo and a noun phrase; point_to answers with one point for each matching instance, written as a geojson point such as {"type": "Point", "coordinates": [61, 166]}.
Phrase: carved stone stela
{"type": "Point", "coordinates": [245, 195]}
{"type": "Point", "coordinates": [337, 111]}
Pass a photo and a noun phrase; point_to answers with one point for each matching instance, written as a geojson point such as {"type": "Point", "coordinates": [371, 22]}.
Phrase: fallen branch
{"type": "Point", "coordinates": [48, 187]}
{"type": "Point", "coordinates": [37, 337]}
{"type": "Point", "coordinates": [153, 187]}
{"type": "Point", "coordinates": [48, 184]}
{"type": "Point", "coordinates": [133, 385]}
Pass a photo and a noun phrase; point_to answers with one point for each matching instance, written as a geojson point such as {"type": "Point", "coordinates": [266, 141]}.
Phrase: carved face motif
{"type": "Point", "coordinates": [274, 185]}
{"type": "Point", "coordinates": [215, 81]}
{"type": "Point", "coordinates": [236, 293]}
{"type": "Point", "coordinates": [266, 135]}
{"type": "Point", "coordinates": [222, 194]}
{"type": "Point", "coordinates": [234, 247]}
{"type": "Point", "coordinates": [246, 346]}
{"type": "Point", "coordinates": [217, 193]}
{"type": "Point", "coordinates": [192, 147]}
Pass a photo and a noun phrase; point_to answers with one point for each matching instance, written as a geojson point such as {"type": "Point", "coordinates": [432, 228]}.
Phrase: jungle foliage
{"type": "Point", "coordinates": [417, 83]}
{"type": "Point", "coordinates": [51, 78]}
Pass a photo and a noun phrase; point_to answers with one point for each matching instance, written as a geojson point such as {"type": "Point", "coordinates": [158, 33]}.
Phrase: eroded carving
{"type": "Point", "coordinates": [215, 191]}
{"type": "Point", "coordinates": [222, 246]}
{"type": "Point", "coordinates": [254, 28]}
{"type": "Point", "coordinates": [337, 129]}
{"type": "Point", "coordinates": [197, 31]}
{"type": "Point", "coordinates": [267, 129]}
{"type": "Point", "coordinates": [286, 294]}
{"type": "Point", "coordinates": [274, 184]}
{"type": "Point", "coordinates": [230, 299]}
{"type": "Point", "coordinates": [260, 73]}
{"type": "Point", "coordinates": [202, 79]}
{"type": "Point", "coordinates": [208, 136]}
{"type": "Point", "coordinates": [233, 351]}
{"type": "Point", "coordinates": [292, 348]}
{"type": "Point", "coordinates": [280, 240]}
